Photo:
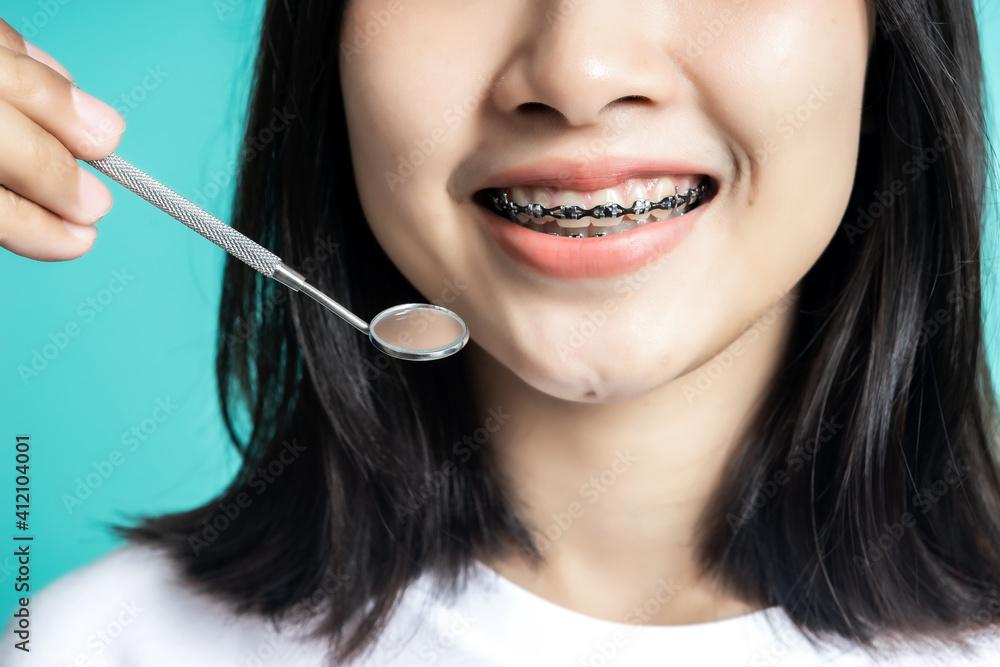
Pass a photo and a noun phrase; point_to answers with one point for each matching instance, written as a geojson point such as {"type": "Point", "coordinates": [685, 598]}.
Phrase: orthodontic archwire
{"type": "Point", "coordinates": [502, 205]}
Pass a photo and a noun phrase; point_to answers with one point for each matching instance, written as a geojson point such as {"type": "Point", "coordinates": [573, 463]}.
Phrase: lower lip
{"type": "Point", "coordinates": [603, 257]}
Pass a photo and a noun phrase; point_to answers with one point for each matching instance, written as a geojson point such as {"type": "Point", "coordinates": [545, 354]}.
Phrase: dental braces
{"type": "Point", "coordinates": [503, 206]}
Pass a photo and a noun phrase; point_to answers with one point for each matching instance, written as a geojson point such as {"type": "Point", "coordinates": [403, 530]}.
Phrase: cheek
{"type": "Point", "coordinates": [393, 136]}
{"type": "Point", "coordinates": [407, 119]}
{"type": "Point", "coordinates": [409, 94]}
{"type": "Point", "coordinates": [802, 68]}
{"type": "Point", "coordinates": [391, 124]}
{"type": "Point", "coordinates": [768, 65]}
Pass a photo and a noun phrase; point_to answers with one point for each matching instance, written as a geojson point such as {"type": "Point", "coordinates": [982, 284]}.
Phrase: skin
{"type": "Point", "coordinates": [771, 100]}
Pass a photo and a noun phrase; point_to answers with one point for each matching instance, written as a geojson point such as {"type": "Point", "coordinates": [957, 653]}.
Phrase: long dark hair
{"type": "Point", "coordinates": [865, 503]}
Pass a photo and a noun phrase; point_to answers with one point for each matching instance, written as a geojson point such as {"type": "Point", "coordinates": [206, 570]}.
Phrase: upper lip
{"type": "Point", "coordinates": [595, 174]}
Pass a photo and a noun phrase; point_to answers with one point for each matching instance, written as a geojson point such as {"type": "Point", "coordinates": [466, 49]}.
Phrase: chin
{"type": "Point", "coordinates": [590, 375]}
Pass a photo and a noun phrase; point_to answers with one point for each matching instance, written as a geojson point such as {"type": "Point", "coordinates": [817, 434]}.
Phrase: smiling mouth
{"type": "Point", "coordinates": [576, 220]}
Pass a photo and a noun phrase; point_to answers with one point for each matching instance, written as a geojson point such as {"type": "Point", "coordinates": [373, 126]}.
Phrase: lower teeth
{"type": "Point", "coordinates": [592, 231]}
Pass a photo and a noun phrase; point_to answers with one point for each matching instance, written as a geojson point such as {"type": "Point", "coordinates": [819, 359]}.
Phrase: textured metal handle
{"type": "Point", "coordinates": [181, 209]}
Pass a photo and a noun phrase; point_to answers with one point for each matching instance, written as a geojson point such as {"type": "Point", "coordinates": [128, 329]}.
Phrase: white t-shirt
{"type": "Point", "coordinates": [129, 609]}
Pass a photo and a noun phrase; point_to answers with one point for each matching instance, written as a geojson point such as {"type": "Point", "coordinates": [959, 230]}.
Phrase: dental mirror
{"type": "Point", "coordinates": [418, 331]}
{"type": "Point", "coordinates": [413, 331]}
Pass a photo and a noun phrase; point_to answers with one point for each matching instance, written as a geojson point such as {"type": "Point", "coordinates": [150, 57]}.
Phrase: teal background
{"type": "Point", "coordinates": [153, 341]}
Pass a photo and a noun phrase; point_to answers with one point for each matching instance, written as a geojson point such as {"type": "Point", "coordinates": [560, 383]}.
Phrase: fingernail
{"type": "Point", "coordinates": [46, 59]}
{"type": "Point", "coordinates": [98, 119]}
{"type": "Point", "coordinates": [94, 196]}
{"type": "Point", "coordinates": [86, 232]}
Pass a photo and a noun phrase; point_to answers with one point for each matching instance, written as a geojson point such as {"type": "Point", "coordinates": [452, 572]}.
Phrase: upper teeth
{"type": "Point", "coordinates": [640, 193]}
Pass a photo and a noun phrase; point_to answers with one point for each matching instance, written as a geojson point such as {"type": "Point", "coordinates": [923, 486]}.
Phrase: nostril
{"type": "Point", "coordinates": [536, 109]}
{"type": "Point", "coordinates": [633, 98]}
{"type": "Point", "coordinates": [628, 102]}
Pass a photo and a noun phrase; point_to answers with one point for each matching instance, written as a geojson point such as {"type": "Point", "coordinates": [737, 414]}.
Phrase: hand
{"type": "Point", "coordinates": [48, 201]}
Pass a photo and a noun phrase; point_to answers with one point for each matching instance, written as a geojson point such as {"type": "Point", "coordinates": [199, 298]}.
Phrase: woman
{"type": "Point", "coordinates": [762, 431]}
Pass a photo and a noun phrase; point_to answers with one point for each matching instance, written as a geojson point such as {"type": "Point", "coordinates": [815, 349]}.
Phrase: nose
{"type": "Point", "coordinates": [587, 57]}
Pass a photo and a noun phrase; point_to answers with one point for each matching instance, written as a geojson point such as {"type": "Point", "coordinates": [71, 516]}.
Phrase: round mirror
{"type": "Point", "coordinates": [418, 331]}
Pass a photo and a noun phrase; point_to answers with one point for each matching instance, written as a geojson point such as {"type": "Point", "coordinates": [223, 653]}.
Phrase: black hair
{"type": "Point", "coordinates": [865, 502]}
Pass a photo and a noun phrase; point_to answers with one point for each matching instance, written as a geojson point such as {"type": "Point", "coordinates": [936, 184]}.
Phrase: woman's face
{"type": "Point", "coordinates": [585, 102]}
